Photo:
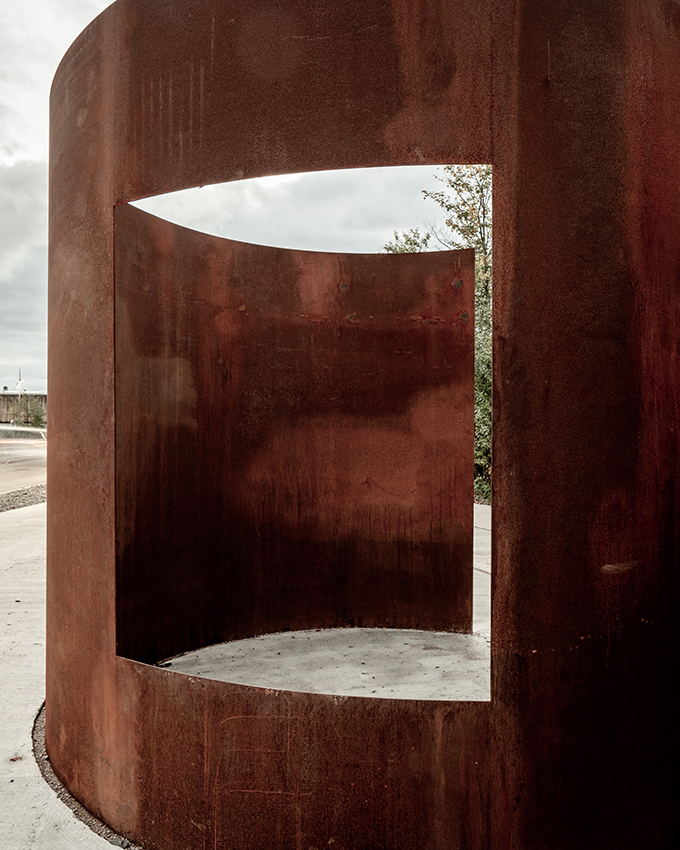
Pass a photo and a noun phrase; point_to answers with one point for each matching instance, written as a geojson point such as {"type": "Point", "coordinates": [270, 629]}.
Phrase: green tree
{"type": "Point", "coordinates": [28, 411]}
{"type": "Point", "coordinates": [466, 200]}
{"type": "Point", "coordinates": [408, 242]}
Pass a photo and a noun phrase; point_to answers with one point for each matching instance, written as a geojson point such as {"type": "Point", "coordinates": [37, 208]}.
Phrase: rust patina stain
{"type": "Point", "coordinates": [577, 106]}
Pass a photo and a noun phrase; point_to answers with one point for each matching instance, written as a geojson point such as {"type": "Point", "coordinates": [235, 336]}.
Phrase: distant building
{"type": "Point", "coordinates": [9, 403]}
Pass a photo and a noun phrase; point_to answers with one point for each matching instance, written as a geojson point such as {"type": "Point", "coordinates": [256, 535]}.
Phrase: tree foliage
{"type": "Point", "coordinates": [408, 242]}
{"type": "Point", "coordinates": [28, 411]}
{"type": "Point", "coordinates": [466, 200]}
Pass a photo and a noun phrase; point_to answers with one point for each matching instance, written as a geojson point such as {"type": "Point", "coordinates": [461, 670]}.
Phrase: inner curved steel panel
{"type": "Point", "coordinates": [294, 439]}
{"type": "Point", "coordinates": [577, 106]}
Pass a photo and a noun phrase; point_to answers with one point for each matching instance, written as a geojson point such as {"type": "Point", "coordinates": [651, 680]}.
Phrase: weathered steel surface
{"type": "Point", "coordinates": [268, 769]}
{"type": "Point", "coordinates": [294, 439]}
{"type": "Point", "coordinates": [577, 105]}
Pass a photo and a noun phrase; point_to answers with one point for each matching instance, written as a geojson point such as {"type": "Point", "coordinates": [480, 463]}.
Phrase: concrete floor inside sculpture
{"type": "Point", "coordinates": [393, 663]}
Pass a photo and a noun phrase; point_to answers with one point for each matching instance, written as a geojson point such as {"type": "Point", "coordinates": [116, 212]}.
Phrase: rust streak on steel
{"type": "Point", "coordinates": [577, 107]}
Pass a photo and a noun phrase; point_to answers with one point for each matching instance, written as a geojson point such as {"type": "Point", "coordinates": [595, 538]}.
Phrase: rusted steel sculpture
{"type": "Point", "coordinates": [577, 106]}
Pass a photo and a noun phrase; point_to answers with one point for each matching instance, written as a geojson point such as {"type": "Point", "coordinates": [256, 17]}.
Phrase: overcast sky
{"type": "Point", "coordinates": [332, 211]}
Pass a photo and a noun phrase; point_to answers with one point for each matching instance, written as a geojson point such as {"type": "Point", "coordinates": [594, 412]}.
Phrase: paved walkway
{"type": "Point", "coordinates": [22, 464]}
{"type": "Point", "coordinates": [31, 814]}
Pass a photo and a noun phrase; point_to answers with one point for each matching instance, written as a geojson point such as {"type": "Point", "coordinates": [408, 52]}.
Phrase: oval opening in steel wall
{"type": "Point", "coordinates": [350, 210]}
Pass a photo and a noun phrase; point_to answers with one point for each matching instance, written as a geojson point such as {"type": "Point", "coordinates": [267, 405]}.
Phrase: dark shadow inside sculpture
{"type": "Point", "coordinates": [294, 446]}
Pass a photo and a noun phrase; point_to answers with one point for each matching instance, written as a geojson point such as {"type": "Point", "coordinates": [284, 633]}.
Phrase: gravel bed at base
{"type": "Point", "coordinates": [97, 826]}
{"type": "Point", "coordinates": [23, 498]}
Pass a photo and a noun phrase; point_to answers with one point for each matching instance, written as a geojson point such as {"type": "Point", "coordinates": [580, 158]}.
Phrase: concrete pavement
{"type": "Point", "coordinates": [31, 814]}
{"type": "Point", "coordinates": [22, 463]}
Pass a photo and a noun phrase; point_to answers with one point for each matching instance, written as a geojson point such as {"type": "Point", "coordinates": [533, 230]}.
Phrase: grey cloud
{"type": "Point", "coordinates": [23, 214]}
{"type": "Point", "coordinates": [33, 38]}
{"type": "Point", "coordinates": [355, 210]}
{"type": "Point", "coordinates": [23, 324]}
{"type": "Point", "coordinates": [23, 273]}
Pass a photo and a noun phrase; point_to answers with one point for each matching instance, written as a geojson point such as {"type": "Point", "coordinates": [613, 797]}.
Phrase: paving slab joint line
{"type": "Point", "coordinates": [51, 778]}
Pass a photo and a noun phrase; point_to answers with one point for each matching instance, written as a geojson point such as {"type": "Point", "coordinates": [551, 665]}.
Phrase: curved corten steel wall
{"type": "Point", "coordinates": [294, 435]}
{"type": "Point", "coordinates": [577, 105]}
